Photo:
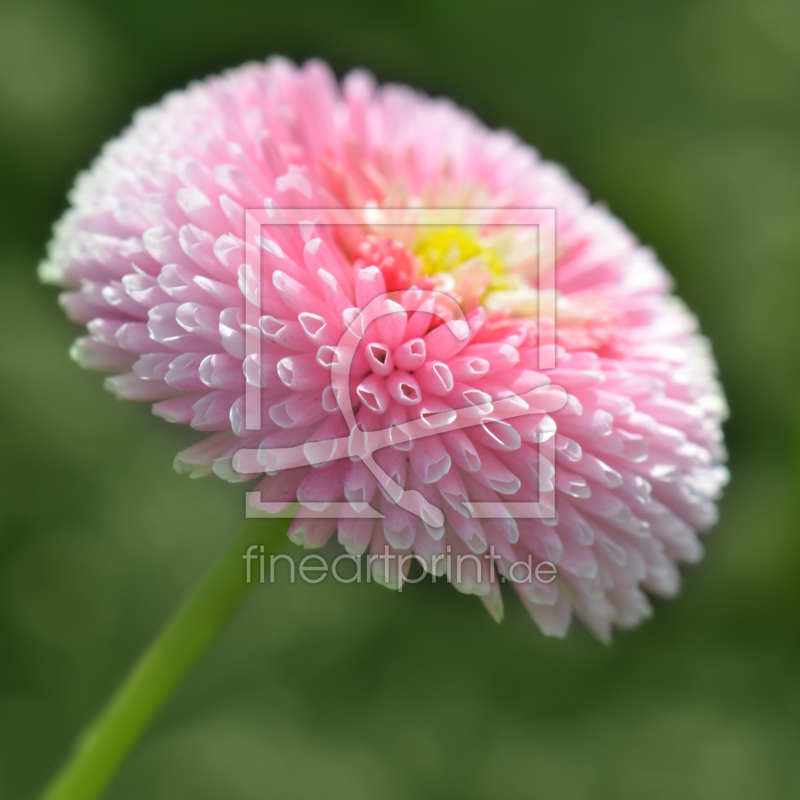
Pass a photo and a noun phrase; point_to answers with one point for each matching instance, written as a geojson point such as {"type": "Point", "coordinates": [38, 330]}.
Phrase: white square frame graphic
{"type": "Point", "coordinates": [246, 461]}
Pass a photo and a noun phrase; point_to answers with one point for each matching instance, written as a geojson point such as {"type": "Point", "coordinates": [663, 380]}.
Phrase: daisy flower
{"type": "Point", "coordinates": [156, 262]}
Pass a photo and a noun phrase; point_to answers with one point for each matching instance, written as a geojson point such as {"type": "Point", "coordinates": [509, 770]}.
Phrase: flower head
{"type": "Point", "coordinates": [154, 253]}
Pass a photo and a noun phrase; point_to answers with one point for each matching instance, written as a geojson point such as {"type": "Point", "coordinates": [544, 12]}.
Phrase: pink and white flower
{"type": "Point", "coordinates": [153, 253]}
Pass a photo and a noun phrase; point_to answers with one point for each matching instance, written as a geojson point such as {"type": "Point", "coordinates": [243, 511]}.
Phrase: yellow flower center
{"type": "Point", "coordinates": [463, 266]}
{"type": "Point", "coordinates": [448, 248]}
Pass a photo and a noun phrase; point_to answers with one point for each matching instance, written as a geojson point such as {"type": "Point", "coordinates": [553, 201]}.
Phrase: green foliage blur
{"type": "Point", "coordinates": [684, 117]}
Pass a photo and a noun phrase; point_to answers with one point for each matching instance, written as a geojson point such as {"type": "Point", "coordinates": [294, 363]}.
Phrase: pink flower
{"type": "Point", "coordinates": [152, 250]}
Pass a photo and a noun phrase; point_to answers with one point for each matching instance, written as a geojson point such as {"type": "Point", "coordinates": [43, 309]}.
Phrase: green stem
{"type": "Point", "coordinates": [104, 745]}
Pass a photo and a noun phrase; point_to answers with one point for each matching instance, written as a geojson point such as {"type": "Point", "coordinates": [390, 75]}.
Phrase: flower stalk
{"type": "Point", "coordinates": [103, 746]}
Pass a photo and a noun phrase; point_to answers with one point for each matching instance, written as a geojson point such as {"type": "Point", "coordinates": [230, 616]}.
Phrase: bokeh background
{"type": "Point", "coordinates": [685, 118]}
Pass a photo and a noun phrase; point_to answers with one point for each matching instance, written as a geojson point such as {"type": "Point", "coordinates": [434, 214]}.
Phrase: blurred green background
{"type": "Point", "coordinates": [685, 118]}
